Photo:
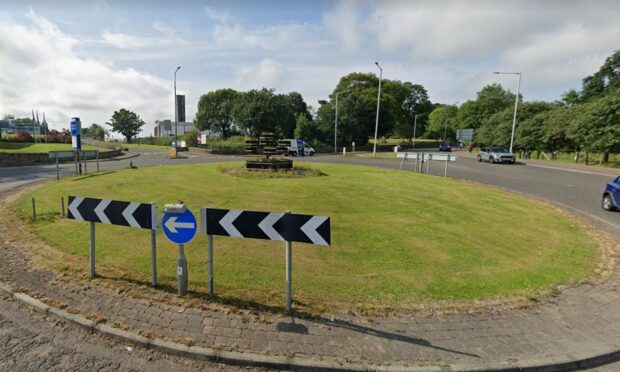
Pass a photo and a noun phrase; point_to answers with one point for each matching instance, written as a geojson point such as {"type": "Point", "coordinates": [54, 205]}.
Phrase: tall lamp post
{"type": "Point", "coordinates": [415, 124]}
{"type": "Point", "coordinates": [176, 140]}
{"type": "Point", "coordinates": [374, 147]}
{"type": "Point", "coordinates": [514, 117]}
{"type": "Point", "coordinates": [336, 122]}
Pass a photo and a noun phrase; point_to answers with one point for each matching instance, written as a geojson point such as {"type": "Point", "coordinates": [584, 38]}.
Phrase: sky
{"type": "Point", "coordinates": [89, 58]}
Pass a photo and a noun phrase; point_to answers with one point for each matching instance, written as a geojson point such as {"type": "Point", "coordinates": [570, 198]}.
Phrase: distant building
{"type": "Point", "coordinates": [165, 128]}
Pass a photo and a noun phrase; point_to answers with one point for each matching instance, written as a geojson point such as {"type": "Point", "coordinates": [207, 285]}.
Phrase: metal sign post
{"type": "Point", "coordinates": [289, 275]}
{"type": "Point", "coordinates": [428, 163]}
{"type": "Point", "coordinates": [179, 225]}
{"type": "Point", "coordinates": [154, 247]}
{"type": "Point", "coordinates": [445, 171]}
{"type": "Point", "coordinates": [92, 250]}
{"type": "Point", "coordinates": [111, 212]}
{"type": "Point", "coordinates": [285, 227]}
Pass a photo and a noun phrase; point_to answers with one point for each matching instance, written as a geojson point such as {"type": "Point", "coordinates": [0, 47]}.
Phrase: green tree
{"type": "Point", "coordinates": [442, 122]}
{"type": "Point", "coordinates": [410, 100]}
{"type": "Point", "coordinates": [606, 80]}
{"type": "Point", "coordinates": [308, 130]}
{"type": "Point", "coordinates": [600, 127]}
{"type": "Point", "coordinates": [215, 111]}
{"type": "Point", "coordinates": [191, 138]}
{"type": "Point", "coordinates": [95, 131]}
{"type": "Point", "coordinates": [126, 122]}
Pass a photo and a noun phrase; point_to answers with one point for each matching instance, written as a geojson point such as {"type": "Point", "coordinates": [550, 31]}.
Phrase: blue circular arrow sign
{"type": "Point", "coordinates": [179, 228]}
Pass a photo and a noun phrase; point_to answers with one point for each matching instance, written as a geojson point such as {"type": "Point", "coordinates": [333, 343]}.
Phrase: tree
{"type": "Point", "coordinates": [410, 100]}
{"type": "Point", "coordinates": [606, 80]}
{"type": "Point", "coordinates": [600, 126]}
{"type": "Point", "coordinates": [442, 123]}
{"type": "Point", "coordinates": [308, 130]}
{"type": "Point", "coordinates": [215, 111]}
{"type": "Point", "coordinates": [126, 122]}
{"type": "Point", "coordinates": [95, 131]}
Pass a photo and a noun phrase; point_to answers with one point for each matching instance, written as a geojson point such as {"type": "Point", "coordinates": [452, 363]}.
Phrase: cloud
{"type": "Point", "coordinates": [344, 24]}
{"type": "Point", "coordinates": [216, 15]}
{"type": "Point", "coordinates": [167, 37]}
{"type": "Point", "coordinates": [267, 73]}
{"type": "Point", "coordinates": [40, 69]}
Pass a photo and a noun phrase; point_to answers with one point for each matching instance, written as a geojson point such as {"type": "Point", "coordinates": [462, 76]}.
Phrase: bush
{"type": "Point", "coordinates": [55, 136]}
{"type": "Point", "coordinates": [21, 136]}
{"type": "Point", "coordinates": [230, 143]}
{"type": "Point", "coordinates": [191, 138]}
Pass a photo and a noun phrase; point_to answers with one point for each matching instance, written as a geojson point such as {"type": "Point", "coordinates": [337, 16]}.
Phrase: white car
{"type": "Point", "coordinates": [496, 155]}
{"type": "Point", "coordinates": [295, 147]}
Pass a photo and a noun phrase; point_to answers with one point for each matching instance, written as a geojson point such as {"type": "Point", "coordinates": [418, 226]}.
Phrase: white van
{"type": "Point", "coordinates": [295, 147]}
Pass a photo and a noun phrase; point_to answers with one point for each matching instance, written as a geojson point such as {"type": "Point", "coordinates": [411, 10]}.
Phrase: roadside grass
{"type": "Point", "coordinates": [13, 147]}
{"type": "Point", "coordinates": [566, 157]}
{"type": "Point", "coordinates": [142, 145]}
{"type": "Point", "coordinates": [398, 238]}
{"type": "Point", "coordinates": [368, 154]}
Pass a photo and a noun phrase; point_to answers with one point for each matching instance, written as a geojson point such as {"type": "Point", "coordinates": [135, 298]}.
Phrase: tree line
{"type": "Point", "coordinates": [230, 112]}
{"type": "Point", "coordinates": [583, 121]}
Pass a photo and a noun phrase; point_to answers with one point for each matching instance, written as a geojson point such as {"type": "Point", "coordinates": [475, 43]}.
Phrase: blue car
{"type": "Point", "coordinates": [611, 196]}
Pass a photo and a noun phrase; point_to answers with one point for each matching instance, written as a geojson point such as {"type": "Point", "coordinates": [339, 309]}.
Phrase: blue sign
{"type": "Point", "coordinates": [75, 126]}
{"type": "Point", "coordinates": [300, 147]}
{"type": "Point", "coordinates": [179, 228]}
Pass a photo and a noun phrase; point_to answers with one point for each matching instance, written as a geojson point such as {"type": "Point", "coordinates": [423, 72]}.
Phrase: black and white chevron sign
{"type": "Point", "coordinates": [113, 212]}
{"type": "Point", "coordinates": [265, 225]}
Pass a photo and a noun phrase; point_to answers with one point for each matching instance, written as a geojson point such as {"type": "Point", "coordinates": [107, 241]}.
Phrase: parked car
{"type": "Point", "coordinates": [295, 147]}
{"type": "Point", "coordinates": [445, 146]}
{"type": "Point", "coordinates": [611, 195]}
{"type": "Point", "coordinates": [496, 155]}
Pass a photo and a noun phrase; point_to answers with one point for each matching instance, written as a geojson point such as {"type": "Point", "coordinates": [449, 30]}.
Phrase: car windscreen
{"type": "Point", "coordinates": [497, 149]}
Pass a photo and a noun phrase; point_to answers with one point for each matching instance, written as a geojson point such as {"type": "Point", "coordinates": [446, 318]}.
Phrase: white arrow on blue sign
{"type": "Point", "coordinates": [179, 228]}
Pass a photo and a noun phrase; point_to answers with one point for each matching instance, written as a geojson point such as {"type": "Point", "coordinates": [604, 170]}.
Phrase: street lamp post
{"type": "Point", "coordinates": [415, 124]}
{"type": "Point", "coordinates": [336, 122]}
{"type": "Point", "coordinates": [374, 148]}
{"type": "Point", "coordinates": [176, 140]}
{"type": "Point", "coordinates": [514, 116]}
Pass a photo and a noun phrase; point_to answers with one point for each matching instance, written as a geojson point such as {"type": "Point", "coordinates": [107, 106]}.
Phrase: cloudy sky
{"type": "Point", "coordinates": [88, 58]}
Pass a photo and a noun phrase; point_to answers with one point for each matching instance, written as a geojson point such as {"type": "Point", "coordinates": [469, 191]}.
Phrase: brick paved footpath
{"type": "Point", "coordinates": [580, 322]}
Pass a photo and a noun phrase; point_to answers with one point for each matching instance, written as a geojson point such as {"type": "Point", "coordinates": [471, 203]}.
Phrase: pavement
{"type": "Point", "coordinates": [577, 328]}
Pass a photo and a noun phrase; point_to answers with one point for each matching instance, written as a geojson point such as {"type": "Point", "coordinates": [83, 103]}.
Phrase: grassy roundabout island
{"type": "Point", "coordinates": [397, 237]}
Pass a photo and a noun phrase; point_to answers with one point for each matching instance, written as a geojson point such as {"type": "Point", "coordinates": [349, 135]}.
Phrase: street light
{"type": "Point", "coordinates": [514, 117]}
{"type": "Point", "coordinates": [415, 124]}
{"type": "Point", "coordinates": [374, 147]}
{"type": "Point", "coordinates": [176, 140]}
{"type": "Point", "coordinates": [336, 122]}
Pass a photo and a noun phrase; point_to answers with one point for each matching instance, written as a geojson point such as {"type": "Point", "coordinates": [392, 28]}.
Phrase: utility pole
{"type": "Point", "coordinates": [514, 116]}
{"type": "Point", "coordinates": [374, 148]}
{"type": "Point", "coordinates": [176, 140]}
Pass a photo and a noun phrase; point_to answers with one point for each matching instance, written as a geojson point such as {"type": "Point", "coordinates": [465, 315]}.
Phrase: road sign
{"type": "Point", "coordinates": [265, 225]}
{"type": "Point", "coordinates": [113, 212]}
{"type": "Point", "coordinates": [179, 228]}
{"type": "Point", "coordinates": [62, 154]}
{"type": "Point", "coordinates": [435, 156]}
{"type": "Point", "coordinates": [466, 135]}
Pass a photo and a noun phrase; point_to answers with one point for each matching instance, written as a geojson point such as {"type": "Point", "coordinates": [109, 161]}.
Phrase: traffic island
{"type": "Point", "coordinates": [577, 326]}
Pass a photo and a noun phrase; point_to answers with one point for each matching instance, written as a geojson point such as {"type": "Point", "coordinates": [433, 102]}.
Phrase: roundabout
{"type": "Point", "coordinates": [566, 326]}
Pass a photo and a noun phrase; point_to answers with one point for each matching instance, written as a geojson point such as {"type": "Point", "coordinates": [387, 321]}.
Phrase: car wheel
{"type": "Point", "coordinates": [491, 160]}
{"type": "Point", "coordinates": [479, 158]}
{"type": "Point", "coordinates": [312, 154]}
{"type": "Point", "coordinates": [608, 204]}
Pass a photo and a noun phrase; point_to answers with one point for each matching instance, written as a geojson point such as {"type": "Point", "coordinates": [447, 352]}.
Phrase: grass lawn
{"type": "Point", "coordinates": [395, 141]}
{"type": "Point", "coordinates": [145, 146]}
{"type": "Point", "coordinates": [39, 147]}
{"type": "Point", "coordinates": [368, 154]}
{"type": "Point", "coordinates": [397, 237]}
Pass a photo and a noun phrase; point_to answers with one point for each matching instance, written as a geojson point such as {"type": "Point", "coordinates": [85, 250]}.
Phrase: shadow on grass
{"type": "Point", "coordinates": [292, 326]}
{"type": "Point", "coordinates": [91, 175]}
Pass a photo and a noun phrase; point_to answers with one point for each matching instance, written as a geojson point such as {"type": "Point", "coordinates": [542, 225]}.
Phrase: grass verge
{"type": "Point", "coordinates": [12, 147]}
{"type": "Point", "coordinates": [397, 237]}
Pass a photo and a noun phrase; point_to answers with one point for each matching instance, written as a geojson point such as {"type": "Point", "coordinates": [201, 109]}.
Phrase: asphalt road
{"type": "Point", "coordinates": [30, 342]}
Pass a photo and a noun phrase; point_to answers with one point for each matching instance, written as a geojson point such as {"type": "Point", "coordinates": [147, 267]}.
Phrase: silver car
{"type": "Point", "coordinates": [496, 155]}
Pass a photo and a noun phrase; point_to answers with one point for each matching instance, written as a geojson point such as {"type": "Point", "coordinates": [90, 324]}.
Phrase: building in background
{"type": "Point", "coordinates": [165, 128]}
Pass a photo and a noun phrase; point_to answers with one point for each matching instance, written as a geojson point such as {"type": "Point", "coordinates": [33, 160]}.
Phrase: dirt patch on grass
{"type": "Point", "coordinates": [295, 172]}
